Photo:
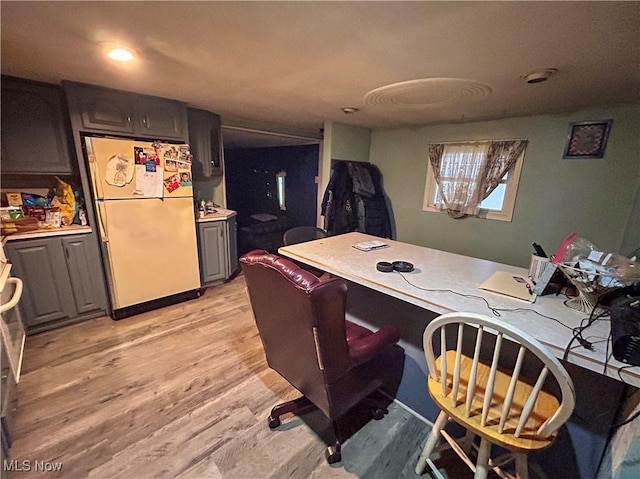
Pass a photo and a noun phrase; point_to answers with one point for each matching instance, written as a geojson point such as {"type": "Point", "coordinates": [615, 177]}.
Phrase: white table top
{"type": "Point", "coordinates": [440, 270]}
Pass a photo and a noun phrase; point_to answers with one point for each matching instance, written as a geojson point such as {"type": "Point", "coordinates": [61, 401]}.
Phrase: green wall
{"type": "Point", "coordinates": [596, 197]}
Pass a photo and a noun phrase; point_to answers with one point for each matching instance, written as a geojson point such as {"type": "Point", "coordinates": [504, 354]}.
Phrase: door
{"type": "Point", "coordinates": [84, 273]}
{"type": "Point", "coordinates": [161, 118]}
{"type": "Point", "coordinates": [128, 169]}
{"type": "Point", "coordinates": [34, 139]}
{"type": "Point", "coordinates": [152, 248]}
{"type": "Point", "coordinates": [213, 251]}
{"type": "Point", "coordinates": [47, 294]}
{"type": "Point", "coordinates": [106, 110]}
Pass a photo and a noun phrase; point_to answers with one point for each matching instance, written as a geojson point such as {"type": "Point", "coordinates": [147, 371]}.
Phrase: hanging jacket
{"type": "Point", "coordinates": [377, 220]}
{"type": "Point", "coordinates": [338, 203]}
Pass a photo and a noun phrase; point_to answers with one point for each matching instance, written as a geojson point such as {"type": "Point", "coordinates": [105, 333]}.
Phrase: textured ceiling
{"type": "Point", "coordinates": [296, 64]}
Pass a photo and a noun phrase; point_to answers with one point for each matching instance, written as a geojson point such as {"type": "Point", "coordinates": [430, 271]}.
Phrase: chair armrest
{"type": "Point", "coordinates": [366, 347]}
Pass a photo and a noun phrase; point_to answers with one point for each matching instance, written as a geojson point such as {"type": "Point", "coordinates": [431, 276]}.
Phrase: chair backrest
{"type": "Point", "coordinates": [301, 322]}
{"type": "Point", "coordinates": [300, 234]}
{"type": "Point", "coordinates": [496, 389]}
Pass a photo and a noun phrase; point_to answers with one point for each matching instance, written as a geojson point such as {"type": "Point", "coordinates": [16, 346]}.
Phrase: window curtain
{"type": "Point", "coordinates": [472, 171]}
{"type": "Point", "coordinates": [501, 156]}
{"type": "Point", "coordinates": [458, 178]}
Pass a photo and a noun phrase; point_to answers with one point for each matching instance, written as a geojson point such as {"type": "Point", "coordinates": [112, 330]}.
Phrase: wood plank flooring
{"type": "Point", "coordinates": [182, 392]}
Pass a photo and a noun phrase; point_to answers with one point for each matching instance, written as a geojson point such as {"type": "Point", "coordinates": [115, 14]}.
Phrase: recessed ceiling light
{"type": "Point", "coordinates": [120, 54]}
{"type": "Point", "coordinates": [539, 75]}
{"type": "Point", "coordinates": [350, 110]}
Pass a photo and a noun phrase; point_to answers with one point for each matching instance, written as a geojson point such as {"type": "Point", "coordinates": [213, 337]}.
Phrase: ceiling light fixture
{"type": "Point", "coordinates": [539, 75]}
{"type": "Point", "coordinates": [120, 54]}
{"type": "Point", "coordinates": [349, 110]}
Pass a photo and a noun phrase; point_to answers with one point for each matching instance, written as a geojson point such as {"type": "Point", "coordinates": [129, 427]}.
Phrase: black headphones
{"type": "Point", "coordinates": [400, 266]}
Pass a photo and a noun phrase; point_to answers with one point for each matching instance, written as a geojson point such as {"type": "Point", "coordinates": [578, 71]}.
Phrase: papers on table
{"type": "Point", "coordinates": [370, 245]}
{"type": "Point", "coordinates": [506, 283]}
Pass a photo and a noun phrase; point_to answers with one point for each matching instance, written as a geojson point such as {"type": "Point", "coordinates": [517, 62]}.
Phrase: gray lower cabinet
{"type": "Point", "coordinates": [217, 250]}
{"type": "Point", "coordinates": [34, 137]}
{"type": "Point", "coordinates": [102, 110]}
{"type": "Point", "coordinates": [62, 280]}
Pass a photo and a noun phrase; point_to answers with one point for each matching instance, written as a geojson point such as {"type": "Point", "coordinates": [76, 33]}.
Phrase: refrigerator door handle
{"type": "Point", "coordinates": [98, 193]}
{"type": "Point", "coordinates": [101, 220]}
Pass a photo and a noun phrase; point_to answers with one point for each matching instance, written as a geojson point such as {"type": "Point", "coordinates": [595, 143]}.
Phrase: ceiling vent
{"type": "Point", "coordinates": [427, 93]}
{"type": "Point", "coordinates": [539, 75]}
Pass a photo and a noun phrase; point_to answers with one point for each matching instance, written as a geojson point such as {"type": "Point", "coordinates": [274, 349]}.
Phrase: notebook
{"type": "Point", "coordinates": [515, 286]}
{"type": "Point", "coordinates": [370, 245]}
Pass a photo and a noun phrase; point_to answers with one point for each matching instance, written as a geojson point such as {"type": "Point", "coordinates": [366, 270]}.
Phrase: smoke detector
{"type": "Point", "coordinates": [539, 75]}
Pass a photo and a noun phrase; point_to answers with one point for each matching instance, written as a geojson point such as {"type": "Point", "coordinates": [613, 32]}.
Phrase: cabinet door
{"type": "Point", "coordinates": [213, 263]}
{"type": "Point", "coordinates": [232, 245]}
{"type": "Point", "coordinates": [205, 140]}
{"type": "Point", "coordinates": [105, 110]}
{"type": "Point", "coordinates": [162, 119]}
{"type": "Point", "coordinates": [34, 136]}
{"type": "Point", "coordinates": [47, 294]}
{"type": "Point", "coordinates": [85, 275]}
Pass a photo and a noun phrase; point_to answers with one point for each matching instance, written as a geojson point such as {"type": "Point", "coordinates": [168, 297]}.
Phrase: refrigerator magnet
{"type": "Point", "coordinates": [172, 183]}
{"type": "Point", "coordinates": [171, 165]}
{"type": "Point", "coordinates": [185, 178]}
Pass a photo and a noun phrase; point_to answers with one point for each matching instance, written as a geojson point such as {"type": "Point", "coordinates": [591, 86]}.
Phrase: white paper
{"type": "Point", "coordinates": [149, 183]}
{"type": "Point", "coordinates": [370, 245]}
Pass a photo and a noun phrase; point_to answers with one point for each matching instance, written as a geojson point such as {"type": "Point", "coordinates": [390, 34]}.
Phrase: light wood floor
{"type": "Point", "coordinates": [182, 392]}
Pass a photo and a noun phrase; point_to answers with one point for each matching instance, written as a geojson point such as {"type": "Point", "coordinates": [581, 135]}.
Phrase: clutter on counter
{"type": "Point", "coordinates": [27, 211]}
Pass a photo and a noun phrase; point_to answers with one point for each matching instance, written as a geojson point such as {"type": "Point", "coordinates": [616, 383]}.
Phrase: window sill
{"type": "Point", "coordinates": [484, 214]}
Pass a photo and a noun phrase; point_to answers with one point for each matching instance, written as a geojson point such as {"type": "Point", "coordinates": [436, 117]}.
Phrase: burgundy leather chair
{"type": "Point", "coordinates": [334, 363]}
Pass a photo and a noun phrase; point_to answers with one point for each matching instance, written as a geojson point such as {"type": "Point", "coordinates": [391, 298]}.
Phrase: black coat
{"type": "Point", "coordinates": [339, 204]}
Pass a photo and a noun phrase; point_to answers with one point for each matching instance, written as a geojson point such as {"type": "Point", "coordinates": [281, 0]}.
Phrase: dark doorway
{"type": "Point", "coordinates": [252, 191]}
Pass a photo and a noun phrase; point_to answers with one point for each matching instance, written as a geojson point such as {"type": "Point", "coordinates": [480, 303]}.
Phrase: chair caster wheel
{"type": "Point", "coordinates": [377, 414]}
{"type": "Point", "coordinates": [274, 422]}
{"type": "Point", "coordinates": [332, 455]}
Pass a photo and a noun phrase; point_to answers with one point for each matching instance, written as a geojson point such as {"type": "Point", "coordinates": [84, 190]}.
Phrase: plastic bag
{"type": "Point", "coordinates": [66, 201]}
{"type": "Point", "coordinates": [589, 258]}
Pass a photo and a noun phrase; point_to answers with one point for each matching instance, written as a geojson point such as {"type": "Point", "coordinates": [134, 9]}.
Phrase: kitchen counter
{"type": "Point", "coordinates": [221, 214]}
{"type": "Point", "coordinates": [45, 233]}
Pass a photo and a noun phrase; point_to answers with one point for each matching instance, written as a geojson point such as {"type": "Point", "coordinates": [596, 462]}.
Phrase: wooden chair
{"type": "Point", "coordinates": [301, 234]}
{"type": "Point", "coordinates": [491, 400]}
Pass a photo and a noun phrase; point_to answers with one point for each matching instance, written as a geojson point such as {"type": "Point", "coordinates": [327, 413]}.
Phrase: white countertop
{"type": "Point", "coordinates": [438, 274]}
{"type": "Point", "coordinates": [62, 231]}
{"type": "Point", "coordinates": [221, 214]}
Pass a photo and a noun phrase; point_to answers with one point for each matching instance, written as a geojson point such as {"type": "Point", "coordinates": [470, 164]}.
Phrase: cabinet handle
{"type": "Point", "coordinates": [66, 252]}
{"type": "Point", "coordinates": [144, 120]}
{"type": "Point", "coordinates": [128, 119]}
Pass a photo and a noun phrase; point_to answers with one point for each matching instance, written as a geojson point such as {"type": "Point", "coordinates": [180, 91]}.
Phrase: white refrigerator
{"type": "Point", "coordinates": [144, 204]}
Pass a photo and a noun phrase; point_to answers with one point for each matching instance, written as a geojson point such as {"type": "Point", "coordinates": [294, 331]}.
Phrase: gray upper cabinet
{"type": "Point", "coordinates": [103, 110]}
{"type": "Point", "coordinates": [162, 118]}
{"type": "Point", "coordinates": [34, 133]}
{"type": "Point", "coordinates": [205, 140]}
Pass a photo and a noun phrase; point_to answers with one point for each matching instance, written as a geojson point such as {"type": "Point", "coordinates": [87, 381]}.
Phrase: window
{"type": "Point", "coordinates": [460, 168]}
{"type": "Point", "coordinates": [280, 176]}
